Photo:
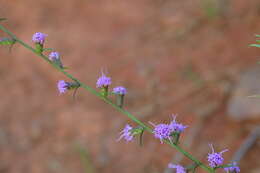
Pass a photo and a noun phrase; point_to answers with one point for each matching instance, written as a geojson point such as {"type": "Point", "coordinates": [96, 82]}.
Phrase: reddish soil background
{"type": "Point", "coordinates": [173, 56]}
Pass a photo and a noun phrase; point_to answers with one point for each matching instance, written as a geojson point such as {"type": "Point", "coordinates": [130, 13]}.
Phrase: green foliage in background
{"type": "Point", "coordinates": [257, 44]}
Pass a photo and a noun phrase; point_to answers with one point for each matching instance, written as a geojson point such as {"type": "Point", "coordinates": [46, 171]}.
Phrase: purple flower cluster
{"type": "Point", "coordinates": [215, 159]}
{"type": "Point", "coordinates": [233, 169]}
{"type": "Point", "coordinates": [54, 56]}
{"type": "Point", "coordinates": [119, 90]}
{"type": "Point", "coordinates": [179, 168]}
{"type": "Point", "coordinates": [63, 86]}
{"type": "Point", "coordinates": [162, 131]}
{"type": "Point", "coordinates": [126, 133]}
{"type": "Point", "coordinates": [39, 38]}
{"type": "Point", "coordinates": [103, 81]}
{"type": "Point", "coordinates": [165, 131]}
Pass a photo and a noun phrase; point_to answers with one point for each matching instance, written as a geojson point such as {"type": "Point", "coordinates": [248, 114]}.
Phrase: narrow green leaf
{"type": "Point", "coordinates": [255, 45]}
{"type": "Point", "coordinates": [225, 166]}
{"type": "Point", "coordinates": [6, 41]}
{"type": "Point", "coordinates": [48, 49]}
{"type": "Point", "coordinates": [257, 35]}
{"type": "Point", "coordinates": [258, 41]}
{"type": "Point", "coordinates": [141, 138]}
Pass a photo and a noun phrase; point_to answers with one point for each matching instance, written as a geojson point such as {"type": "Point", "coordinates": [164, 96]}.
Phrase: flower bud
{"type": "Point", "coordinates": [65, 86]}
{"type": "Point", "coordinates": [120, 93]}
{"type": "Point", "coordinates": [39, 39]}
{"type": "Point", "coordinates": [55, 58]}
{"type": "Point", "coordinates": [103, 82]}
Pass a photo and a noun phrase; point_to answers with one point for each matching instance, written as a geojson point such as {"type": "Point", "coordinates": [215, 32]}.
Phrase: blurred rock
{"type": "Point", "coordinates": [240, 106]}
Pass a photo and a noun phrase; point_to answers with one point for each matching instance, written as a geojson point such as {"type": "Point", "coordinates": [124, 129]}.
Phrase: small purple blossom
{"type": "Point", "coordinates": [54, 56]}
{"type": "Point", "coordinates": [215, 159]}
{"type": "Point", "coordinates": [233, 169]}
{"type": "Point", "coordinates": [103, 81]}
{"type": "Point", "coordinates": [179, 168]}
{"type": "Point", "coordinates": [119, 90]}
{"type": "Point", "coordinates": [166, 131]}
{"type": "Point", "coordinates": [162, 131]}
{"type": "Point", "coordinates": [126, 133]}
{"type": "Point", "coordinates": [62, 86]}
{"type": "Point", "coordinates": [39, 37]}
{"type": "Point", "coordinates": [177, 127]}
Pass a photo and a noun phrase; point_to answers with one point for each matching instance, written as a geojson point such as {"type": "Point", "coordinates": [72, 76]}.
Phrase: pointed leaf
{"type": "Point", "coordinates": [141, 138]}
{"type": "Point", "coordinates": [6, 41]}
{"type": "Point", "coordinates": [48, 49]}
{"type": "Point", "coordinates": [255, 45]}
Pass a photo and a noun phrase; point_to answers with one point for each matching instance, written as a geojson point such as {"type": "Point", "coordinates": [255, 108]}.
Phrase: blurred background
{"type": "Point", "coordinates": [186, 57]}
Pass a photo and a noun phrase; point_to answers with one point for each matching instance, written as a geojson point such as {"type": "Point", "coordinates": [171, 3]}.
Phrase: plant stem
{"type": "Point", "coordinates": [108, 101]}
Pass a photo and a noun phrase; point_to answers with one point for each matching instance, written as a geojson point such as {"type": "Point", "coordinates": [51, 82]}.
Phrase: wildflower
{"type": "Point", "coordinates": [162, 131]}
{"type": "Point", "coordinates": [64, 86]}
{"type": "Point", "coordinates": [126, 133]}
{"type": "Point", "coordinates": [233, 169]}
{"type": "Point", "coordinates": [39, 38]}
{"type": "Point", "coordinates": [168, 131]}
{"type": "Point", "coordinates": [179, 168]}
{"type": "Point", "coordinates": [55, 57]}
{"type": "Point", "coordinates": [120, 93]}
{"type": "Point", "coordinates": [103, 81]}
{"type": "Point", "coordinates": [177, 127]}
{"type": "Point", "coordinates": [119, 90]}
{"type": "Point", "coordinates": [215, 159]}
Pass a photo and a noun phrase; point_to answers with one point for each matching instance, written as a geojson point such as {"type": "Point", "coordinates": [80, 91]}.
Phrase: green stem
{"type": "Point", "coordinates": [108, 101]}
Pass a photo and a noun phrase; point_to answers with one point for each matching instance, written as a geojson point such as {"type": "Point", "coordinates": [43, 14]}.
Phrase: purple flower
{"type": "Point", "coordinates": [233, 169]}
{"type": "Point", "coordinates": [179, 168]}
{"type": "Point", "coordinates": [215, 159]}
{"type": "Point", "coordinates": [119, 90]}
{"type": "Point", "coordinates": [126, 133]}
{"type": "Point", "coordinates": [103, 81]}
{"type": "Point", "coordinates": [162, 131]}
{"type": "Point", "coordinates": [63, 86]}
{"type": "Point", "coordinates": [177, 127]}
{"type": "Point", "coordinates": [39, 37]}
{"type": "Point", "coordinates": [54, 56]}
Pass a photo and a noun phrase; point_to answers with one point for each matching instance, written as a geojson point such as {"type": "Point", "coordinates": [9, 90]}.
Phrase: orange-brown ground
{"type": "Point", "coordinates": [174, 56]}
